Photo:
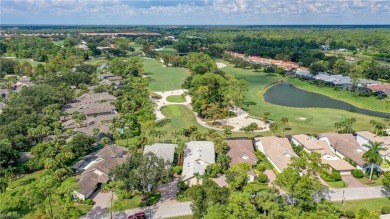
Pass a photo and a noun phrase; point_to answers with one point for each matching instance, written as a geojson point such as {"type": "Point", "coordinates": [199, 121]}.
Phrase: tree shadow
{"type": "Point", "coordinates": [163, 122]}
{"type": "Point", "coordinates": [27, 181]}
{"type": "Point", "coordinates": [249, 103]}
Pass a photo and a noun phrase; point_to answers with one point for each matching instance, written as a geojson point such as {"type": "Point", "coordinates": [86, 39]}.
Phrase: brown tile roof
{"type": "Point", "coordinates": [346, 145]}
{"type": "Point", "coordinates": [241, 151]}
{"type": "Point", "coordinates": [378, 87]}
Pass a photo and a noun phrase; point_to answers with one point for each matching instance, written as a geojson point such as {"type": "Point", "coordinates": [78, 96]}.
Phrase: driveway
{"type": "Point", "coordinates": [168, 192]}
{"type": "Point", "coordinates": [352, 181]}
{"type": "Point", "coordinates": [271, 176]}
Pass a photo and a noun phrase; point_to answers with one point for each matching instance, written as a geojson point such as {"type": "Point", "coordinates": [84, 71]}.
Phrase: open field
{"type": "Point", "coordinates": [301, 120]}
{"type": "Point", "coordinates": [97, 61]}
{"type": "Point", "coordinates": [59, 42]}
{"type": "Point", "coordinates": [164, 78]}
{"type": "Point", "coordinates": [370, 204]}
{"type": "Point", "coordinates": [177, 117]}
{"type": "Point", "coordinates": [370, 103]}
{"type": "Point", "coordinates": [32, 62]}
{"type": "Point", "coordinates": [167, 50]}
{"type": "Point", "coordinates": [176, 99]}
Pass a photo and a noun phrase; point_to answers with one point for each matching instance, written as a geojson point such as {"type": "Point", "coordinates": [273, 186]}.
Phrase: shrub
{"type": "Point", "coordinates": [349, 214]}
{"type": "Point", "coordinates": [326, 177]}
{"type": "Point", "coordinates": [177, 169]}
{"type": "Point", "coordinates": [385, 210]}
{"type": "Point", "coordinates": [260, 156]}
{"type": "Point", "coordinates": [262, 178]}
{"type": "Point", "coordinates": [155, 96]}
{"type": "Point", "coordinates": [374, 177]}
{"type": "Point", "coordinates": [260, 167]}
{"type": "Point", "coordinates": [336, 176]}
{"type": "Point", "coordinates": [213, 170]}
{"type": "Point", "coordinates": [182, 186]}
{"type": "Point", "coordinates": [357, 173]}
{"type": "Point", "coordinates": [88, 202]}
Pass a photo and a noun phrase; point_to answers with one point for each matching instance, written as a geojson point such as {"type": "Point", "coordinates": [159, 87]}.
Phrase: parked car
{"type": "Point", "coordinates": [139, 215]}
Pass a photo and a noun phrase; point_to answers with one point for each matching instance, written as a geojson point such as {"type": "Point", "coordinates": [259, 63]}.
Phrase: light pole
{"type": "Point", "coordinates": [342, 198]}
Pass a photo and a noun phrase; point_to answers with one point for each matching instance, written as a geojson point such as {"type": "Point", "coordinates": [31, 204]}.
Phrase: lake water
{"type": "Point", "coordinates": [288, 95]}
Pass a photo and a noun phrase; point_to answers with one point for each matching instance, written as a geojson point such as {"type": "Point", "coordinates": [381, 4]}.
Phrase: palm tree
{"type": "Point", "coordinates": [266, 116]}
{"type": "Point", "coordinates": [273, 126]}
{"type": "Point", "coordinates": [285, 121]}
{"type": "Point", "coordinates": [227, 132]}
{"type": "Point", "coordinates": [372, 156]}
{"type": "Point", "coordinates": [180, 152]}
{"type": "Point", "coordinates": [373, 123]}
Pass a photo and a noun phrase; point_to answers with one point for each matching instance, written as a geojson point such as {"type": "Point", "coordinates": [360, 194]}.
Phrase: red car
{"type": "Point", "coordinates": [139, 215]}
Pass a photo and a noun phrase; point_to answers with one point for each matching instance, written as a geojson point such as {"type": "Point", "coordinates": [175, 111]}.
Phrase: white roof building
{"type": "Point", "coordinates": [165, 151]}
{"type": "Point", "coordinates": [197, 156]}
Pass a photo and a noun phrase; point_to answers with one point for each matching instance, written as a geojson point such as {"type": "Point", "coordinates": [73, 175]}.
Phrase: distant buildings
{"type": "Point", "coordinates": [99, 111]}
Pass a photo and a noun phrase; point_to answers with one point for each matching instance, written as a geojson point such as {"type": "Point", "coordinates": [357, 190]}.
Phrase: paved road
{"type": "Point", "coordinates": [357, 193]}
{"type": "Point", "coordinates": [164, 210]}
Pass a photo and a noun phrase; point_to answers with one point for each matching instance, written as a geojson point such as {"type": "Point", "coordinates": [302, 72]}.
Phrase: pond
{"type": "Point", "coordinates": [288, 95]}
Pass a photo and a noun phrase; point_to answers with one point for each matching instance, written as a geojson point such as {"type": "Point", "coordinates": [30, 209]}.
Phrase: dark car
{"type": "Point", "coordinates": [139, 215]}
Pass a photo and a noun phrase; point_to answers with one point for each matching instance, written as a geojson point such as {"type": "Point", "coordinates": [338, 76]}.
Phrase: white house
{"type": "Point", "coordinates": [364, 138]}
{"type": "Point", "coordinates": [197, 156]}
{"type": "Point", "coordinates": [165, 151]}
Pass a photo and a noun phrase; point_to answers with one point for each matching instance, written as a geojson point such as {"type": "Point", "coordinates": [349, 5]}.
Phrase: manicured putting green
{"type": "Point", "coordinates": [176, 99]}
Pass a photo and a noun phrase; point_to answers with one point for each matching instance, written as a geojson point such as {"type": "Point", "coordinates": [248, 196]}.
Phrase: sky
{"type": "Point", "coordinates": [195, 12]}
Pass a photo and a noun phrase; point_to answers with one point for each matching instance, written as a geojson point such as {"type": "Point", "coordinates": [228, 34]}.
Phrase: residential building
{"type": "Point", "coordinates": [277, 150]}
{"type": "Point", "coordinates": [242, 151]}
{"type": "Point", "coordinates": [96, 169]}
{"type": "Point", "coordinates": [346, 147]}
{"type": "Point", "coordinates": [197, 156]}
{"type": "Point", "coordinates": [311, 144]}
{"type": "Point", "coordinates": [165, 151]}
{"type": "Point", "coordinates": [365, 137]}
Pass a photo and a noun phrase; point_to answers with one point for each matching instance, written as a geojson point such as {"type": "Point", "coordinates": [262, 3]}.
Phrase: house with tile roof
{"type": "Point", "coordinates": [165, 151]}
{"type": "Point", "coordinates": [96, 169]}
{"type": "Point", "coordinates": [277, 150]}
{"type": "Point", "coordinates": [345, 146]}
{"type": "Point", "coordinates": [197, 156]}
{"type": "Point", "coordinates": [312, 144]}
{"type": "Point", "coordinates": [364, 138]}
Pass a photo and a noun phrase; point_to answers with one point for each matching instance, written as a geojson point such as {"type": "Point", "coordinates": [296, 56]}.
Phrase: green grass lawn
{"type": "Point", "coordinates": [168, 50]}
{"type": "Point", "coordinates": [97, 61]}
{"type": "Point", "coordinates": [177, 117]}
{"type": "Point", "coordinates": [370, 103]}
{"type": "Point", "coordinates": [337, 185]}
{"type": "Point", "coordinates": [300, 120]}
{"type": "Point", "coordinates": [59, 42]}
{"type": "Point", "coordinates": [176, 99]}
{"type": "Point", "coordinates": [84, 208]}
{"type": "Point", "coordinates": [370, 204]}
{"type": "Point", "coordinates": [164, 78]}
{"type": "Point", "coordinates": [377, 182]}
{"type": "Point", "coordinates": [32, 62]}
{"type": "Point", "coordinates": [26, 179]}
{"type": "Point", "coordinates": [123, 204]}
